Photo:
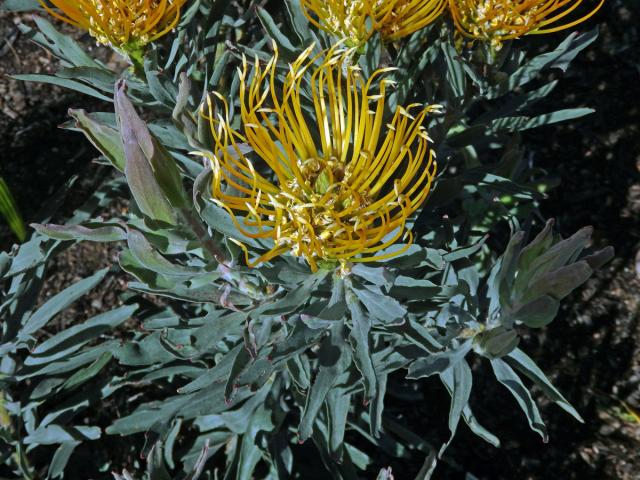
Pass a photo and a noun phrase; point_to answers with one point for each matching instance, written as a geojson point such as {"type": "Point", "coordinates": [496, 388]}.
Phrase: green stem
{"type": "Point", "coordinates": [205, 239]}
{"type": "Point", "coordinates": [135, 54]}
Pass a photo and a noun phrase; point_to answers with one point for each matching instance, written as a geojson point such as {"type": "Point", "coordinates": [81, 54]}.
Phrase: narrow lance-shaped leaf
{"type": "Point", "coordinates": [438, 363]}
{"type": "Point", "coordinates": [505, 375]}
{"type": "Point", "coordinates": [89, 232]}
{"type": "Point", "coordinates": [9, 210]}
{"type": "Point", "coordinates": [59, 302]}
{"type": "Point", "coordinates": [458, 381]}
{"type": "Point", "coordinates": [334, 359]}
{"type": "Point", "coordinates": [338, 404]}
{"type": "Point", "coordinates": [152, 175]}
{"type": "Point", "coordinates": [522, 362]}
{"type": "Point", "coordinates": [360, 330]}
{"type": "Point", "coordinates": [105, 138]}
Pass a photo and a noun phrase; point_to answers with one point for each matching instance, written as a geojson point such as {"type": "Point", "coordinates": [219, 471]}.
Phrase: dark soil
{"type": "Point", "coordinates": [591, 352]}
{"type": "Point", "coordinates": [38, 158]}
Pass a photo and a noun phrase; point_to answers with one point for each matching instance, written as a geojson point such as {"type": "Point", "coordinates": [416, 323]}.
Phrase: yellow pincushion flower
{"type": "Point", "coordinates": [499, 20]}
{"type": "Point", "coordinates": [123, 24]}
{"type": "Point", "coordinates": [357, 20]}
{"type": "Point", "coordinates": [330, 180]}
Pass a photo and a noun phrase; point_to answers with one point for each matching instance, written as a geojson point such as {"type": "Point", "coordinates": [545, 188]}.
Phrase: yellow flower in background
{"type": "Point", "coordinates": [330, 179]}
{"type": "Point", "coordinates": [357, 20]}
{"type": "Point", "coordinates": [123, 24]}
{"type": "Point", "coordinates": [345, 19]}
{"type": "Point", "coordinates": [499, 20]}
{"type": "Point", "coordinates": [399, 18]}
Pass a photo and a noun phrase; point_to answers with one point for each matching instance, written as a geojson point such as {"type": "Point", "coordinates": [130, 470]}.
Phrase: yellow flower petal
{"type": "Point", "coordinates": [119, 23]}
{"type": "Point", "coordinates": [331, 180]}
{"type": "Point", "coordinates": [357, 20]}
{"type": "Point", "coordinates": [499, 20]}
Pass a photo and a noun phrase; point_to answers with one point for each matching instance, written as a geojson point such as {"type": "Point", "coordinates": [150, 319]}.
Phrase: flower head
{"type": "Point", "coordinates": [499, 20]}
{"type": "Point", "coordinates": [123, 24]}
{"type": "Point", "coordinates": [357, 20]}
{"type": "Point", "coordinates": [331, 179]}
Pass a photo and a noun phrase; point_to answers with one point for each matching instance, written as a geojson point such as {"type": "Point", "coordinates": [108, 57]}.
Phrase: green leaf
{"type": "Point", "coordinates": [456, 77]}
{"type": "Point", "coordinates": [105, 138]}
{"type": "Point", "coordinates": [152, 175]}
{"type": "Point", "coordinates": [465, 252]}
{"type": "Point", "coordinates": [414, 288]}
{"type": "Point", "coordinates": [523, 363]}
{"type": "Point", "coordinates": [30, 255]}
{"type": "Point", "coordinates": [221, 371]}
{"type": "Point", "coordinates": [438, 363]}
{"type": "Point", "coordinates": [161, 88]}
{"type": "Point", "coordinates": [67, 48]}
{"type": "Point", "coordinates": [478, 429]}
{"type": "Point", "coordinates": [68, 364]}
{"type": "Point", "coordinates": [156, 469]}
{"type": "Point", "coordinates": [385, 474]}
{"type": "Point", "coordinates": [9, 210]}
{"type": "Point", "coordinates": [92, 232]}
{"type": "Point", "coordinates": [376, 406]}
{"type": "Point", "coordinates": [558, 255]}
{"type": "Point", "coordinates": [360, 338]}
{"type": "Point", "coordinates": [21, 5]}
{"type": "Point", "coordinates": [299, 22]}
{"type": "Point", "coordinates": [283, 42]}
{"type": "Point", "coordinates": [509, 379]}
{"type": "Point", "coordinates": [63, 82]}
{"type": "Point", "coordinates": [170, 443]}
{"type": "Point", "coordinates": [59, 302]}
{"type": "Point", "coordinates": [600, 258]}
{"type": "Point", "coordinates": [148, 257]}
{"type": "Point", "coordinates": [334, 359]}
{"type": "Point", "coordinates": [85, 374]}
{"type": "Point", "coordinates": [297, 297]}
{"type": "Point", "coordinates": [73, 338]}
{"type": "Point", "coordinates": [201, 294]}
{"type": "Point", "coordinates": [146, 351]}
{"type": "Point", "coordinates": [298, 341]}
{"type": "Point", "coordinates": [334, 309]}
{"type": "Point", "coordinates": [380, 276]}
{"type": "Point", "coordinates": [385, 308]}
{"type": "Point", "coordinates": [536, 247]}
{"type": "Point", "coordinates": [145, 416]}
{"type": "Point", "coordinates": [338, 404]}
{"type": "Point", "coordinates": [240, 362]}
{"type": "Point", "coordinates": [458, 381]}
{"type": "Point", "coordinates": [214, 216]}
{"type": "Point", "coordinates": [538, 313]}
{"type": "Point", "coordinates": [53, 434]}
{"type": "Point", "coordinates": [496, 342]}
{"type": "Point", "coordinates": [560, 58]}
{"type": "Point", "coordinates": [559, 283]}
{"type": "Point", "coordinates": [97, 77]}
{"type": "Point", "coordinates": [60, 459]}
{"type": "Point", "coordinates": [419, 335]}
{"type": "Point", "coordinates": [520, 124]}
{"type": "Point", "coordinates": [215, 328]}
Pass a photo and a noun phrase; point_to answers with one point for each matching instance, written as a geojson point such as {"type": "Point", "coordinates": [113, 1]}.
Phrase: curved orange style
{"type": "Point", "coordinates": [337, 188]}
{"type": "Point", "coordinates": [119, 23]}
{"type": "Point", "coordinates": [357, 20]}
{"type": "Point", "coordinates": [499, 20]}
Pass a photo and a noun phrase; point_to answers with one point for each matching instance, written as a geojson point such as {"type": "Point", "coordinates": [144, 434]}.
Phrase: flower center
{"type": "Point", "coordinates": [324, 206]}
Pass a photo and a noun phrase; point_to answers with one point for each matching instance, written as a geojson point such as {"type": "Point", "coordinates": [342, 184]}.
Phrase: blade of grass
{"type": "Point", "coordinates": [9, 210]}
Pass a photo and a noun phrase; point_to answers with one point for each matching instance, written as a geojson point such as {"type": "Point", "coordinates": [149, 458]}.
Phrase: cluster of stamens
{"type": "Point", "coordinates": [338, 188]}
{"type": "Point", "coordinates": [357, 20]}
{"type": "Point", "coordinates": [119, 23]}
{"type": "Point", "coordinates": [496, 21]}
